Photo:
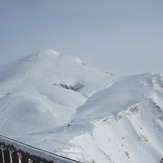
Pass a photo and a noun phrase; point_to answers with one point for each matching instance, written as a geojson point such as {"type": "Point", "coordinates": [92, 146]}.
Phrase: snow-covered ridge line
{"type": "Point", "coordinates": [32, 152]}
{"type": "Point", "coordinates": [57, 103]}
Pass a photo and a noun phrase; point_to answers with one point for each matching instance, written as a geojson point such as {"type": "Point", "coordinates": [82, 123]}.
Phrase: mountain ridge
{"type": "Point", "coordinates": [58, 103]}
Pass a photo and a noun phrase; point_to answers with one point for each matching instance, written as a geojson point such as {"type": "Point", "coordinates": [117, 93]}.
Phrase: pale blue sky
{"type": "Point", "coordinates": [120, 36]}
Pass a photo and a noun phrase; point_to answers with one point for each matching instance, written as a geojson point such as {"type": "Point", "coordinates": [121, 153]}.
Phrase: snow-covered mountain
{"type": "Point", "coordinates": [58, 103]}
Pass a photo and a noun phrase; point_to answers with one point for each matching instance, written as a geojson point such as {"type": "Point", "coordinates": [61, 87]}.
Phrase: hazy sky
{"type": "Point", "coordinates": [120, 36]}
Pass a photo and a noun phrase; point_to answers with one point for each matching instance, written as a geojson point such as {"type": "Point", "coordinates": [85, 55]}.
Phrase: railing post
{"type": "Point", "coordinates": [1, 156]}
{"type": "Point", "coordinates": [15, 158]}
{"type": "Point", "coordinates": [7, 156]}
{"type": "Point", "coordinates": [24, 159]}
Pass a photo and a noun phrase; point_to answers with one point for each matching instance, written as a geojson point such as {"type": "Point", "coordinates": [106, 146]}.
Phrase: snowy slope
{"type": "Point", "coordinates": [58, 103]}
{"type": "Point", "coordinates": [127, 119]}
{"type": "Point", "coordinates": [38, 90]}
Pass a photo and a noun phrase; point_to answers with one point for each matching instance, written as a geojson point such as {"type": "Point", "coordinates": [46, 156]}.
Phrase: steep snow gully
{"type": "Point", "coordinates": [58, 103]}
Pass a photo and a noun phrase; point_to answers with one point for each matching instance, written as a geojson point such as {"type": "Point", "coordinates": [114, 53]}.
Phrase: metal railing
{"type": "Point", "coordinates": [12, 151]}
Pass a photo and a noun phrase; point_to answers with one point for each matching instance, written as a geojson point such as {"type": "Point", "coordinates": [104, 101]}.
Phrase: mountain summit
{"type": "Point", "coordinates": [58, 103]}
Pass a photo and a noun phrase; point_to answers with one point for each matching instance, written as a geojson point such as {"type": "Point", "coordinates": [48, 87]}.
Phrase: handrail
{"type": "Point", "coordinates": [13, 151]}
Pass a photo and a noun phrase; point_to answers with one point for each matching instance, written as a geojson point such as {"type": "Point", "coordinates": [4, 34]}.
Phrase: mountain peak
{"type": "Point", "coordinates": [48, 52]}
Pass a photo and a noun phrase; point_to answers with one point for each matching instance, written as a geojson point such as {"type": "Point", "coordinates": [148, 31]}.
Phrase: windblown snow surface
{"type": "Point", "coordinates": [57, 103]}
